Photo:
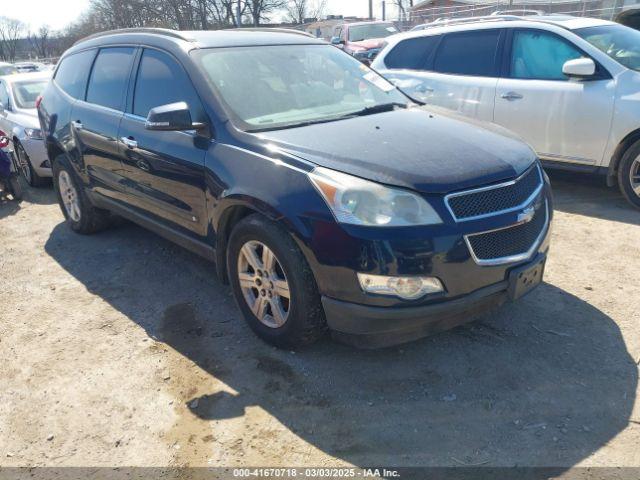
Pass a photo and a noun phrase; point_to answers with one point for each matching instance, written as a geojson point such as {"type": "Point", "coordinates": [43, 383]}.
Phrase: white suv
{"type": "Point", "coordinates": [569, 86]}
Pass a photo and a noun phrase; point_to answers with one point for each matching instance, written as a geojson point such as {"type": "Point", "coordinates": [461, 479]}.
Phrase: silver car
{"type": "Point", "coordinates": [19, 119]}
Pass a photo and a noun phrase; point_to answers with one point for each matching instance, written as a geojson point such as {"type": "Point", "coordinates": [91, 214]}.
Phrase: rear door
{"type": "Point", "coordinates": [95, 120]}
{"type": "Point", "coordinates": [164, 171]}
{"type": "Point", "coordinates": [564, 120]}
{"type": "Point", "coordinates": [466, 66]}
{"type": "Point", "coordinates": [457, 71]}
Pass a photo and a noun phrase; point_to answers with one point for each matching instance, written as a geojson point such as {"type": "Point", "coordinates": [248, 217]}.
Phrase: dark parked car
{"type": "Point", "coordinates": [325, 196]}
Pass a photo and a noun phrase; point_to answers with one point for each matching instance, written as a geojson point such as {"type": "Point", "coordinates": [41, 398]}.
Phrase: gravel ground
{"type": "Point", "coordinates": [121, 349]}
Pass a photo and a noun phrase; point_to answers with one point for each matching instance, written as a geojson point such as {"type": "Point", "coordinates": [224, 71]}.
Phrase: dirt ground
{"type": "Point", "coordinates": [121, 349]}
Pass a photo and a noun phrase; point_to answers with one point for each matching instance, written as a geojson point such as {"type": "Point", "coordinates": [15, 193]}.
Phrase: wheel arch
{"type": "Point", "coordinates": [623, 146]}
{"type": "Point", "coordinates": [232, 210]}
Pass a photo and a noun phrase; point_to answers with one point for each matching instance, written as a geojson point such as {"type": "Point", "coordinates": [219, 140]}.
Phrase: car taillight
{"type": "Point", "coordinates": [38, 101]}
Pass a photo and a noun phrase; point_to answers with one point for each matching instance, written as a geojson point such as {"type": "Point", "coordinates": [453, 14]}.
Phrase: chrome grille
{"type": "Point", "coordinates": [496, 199]}
{"type": "Point", "coordinates": [510, 244]}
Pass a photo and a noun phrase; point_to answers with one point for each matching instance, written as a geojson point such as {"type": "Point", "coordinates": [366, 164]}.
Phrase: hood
{"type": "Point", "coordinates": [26, 117]}
{"type": "Point", "coordinates": [367, 44]}
{"type": "Point", "coordinates": [426, 151]}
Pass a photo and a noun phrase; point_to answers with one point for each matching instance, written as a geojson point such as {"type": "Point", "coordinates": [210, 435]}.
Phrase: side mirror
{"type": "Point", "coordinates": [336, 41]}
{"type": "Point", "coordinates": [579, 68]}
{"type": "Point", "coordinates": [171, 117]}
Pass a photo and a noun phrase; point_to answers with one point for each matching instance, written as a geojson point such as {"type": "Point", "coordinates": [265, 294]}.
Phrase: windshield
{"type": "Point", "coordinates": [271, 87]}
{"type": "Point", "coordinates": [26, 93]}
{"type": "Point", "coordinates": [358, 33]}
{"type": "Point", "coordinates": [619, 42]}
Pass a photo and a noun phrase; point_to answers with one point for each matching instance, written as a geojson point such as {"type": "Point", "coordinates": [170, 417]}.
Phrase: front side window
{"type": "Point", "coordinates": [161, 81]}
{"type": "Point", "coordinates": [109, 77]}
{"type": "Point", "coordinates": [26, 93]}
{"type": "Point", "coordinates": [468, 53]}
{"type": "Point", "coordinates": [357, 33]}
{"type": "Point", "coordinates": [619, 42]}
{"type": "Point", "coordinates": [411, 53]}
{"type": "Point", "coordinates": [540, 55]}
{"type": "Point", "coordinates": [73, 72]}
{"type": "Point", "coordinates": [274, 87]}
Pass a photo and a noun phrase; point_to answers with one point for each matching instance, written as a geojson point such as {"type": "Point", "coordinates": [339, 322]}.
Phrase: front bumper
{"type": "Point", "coordinates": [373, 327]}
{"type": "Point", "coordinates": [37, 155]}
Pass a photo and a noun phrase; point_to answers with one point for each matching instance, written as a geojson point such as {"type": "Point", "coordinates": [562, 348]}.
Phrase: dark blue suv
{"type": "Point", "coordinates": [327, 199]}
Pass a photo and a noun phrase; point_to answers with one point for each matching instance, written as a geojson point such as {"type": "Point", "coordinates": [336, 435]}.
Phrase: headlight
{"type": "Point", "coordinates": [33, 133]}
{"type": "Point", "coordinates": [360, 202]}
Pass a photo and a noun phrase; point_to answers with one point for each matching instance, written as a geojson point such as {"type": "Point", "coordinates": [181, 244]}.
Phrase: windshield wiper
{"type": "Point", "coordinates": [383, 107]}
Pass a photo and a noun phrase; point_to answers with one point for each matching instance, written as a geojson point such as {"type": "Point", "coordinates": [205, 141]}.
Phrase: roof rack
{"type": "Point", "coordinates": [156, 31]}
{"type": "Point", "coordinates": [485, 18]}
{"type": "Point", "coordinates": [271, 30]}
{"type": "Point", "coordinates": [494, 17]}
{"type": "Point", "coordinates": [519, 12]}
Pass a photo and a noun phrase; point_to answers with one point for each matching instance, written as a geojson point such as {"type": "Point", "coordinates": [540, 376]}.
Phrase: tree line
{"type": "Point", "coordinates": [17, 41]}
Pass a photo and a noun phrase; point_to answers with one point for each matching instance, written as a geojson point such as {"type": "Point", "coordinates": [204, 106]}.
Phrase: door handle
{"type": "Point", "coordinates": [511, 96]}
{"type": "Point", "coordinates": [129, 142]}
{"type": "Point", "coordinates": [77, 125]}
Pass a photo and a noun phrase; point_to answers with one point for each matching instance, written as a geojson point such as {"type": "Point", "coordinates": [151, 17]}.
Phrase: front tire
{"type": "Point", "coordinates": [629, 175]}
{"type": "Point", "coordinates": [78, 211]}
{"type": "Point", "coordinates": [273, 284]}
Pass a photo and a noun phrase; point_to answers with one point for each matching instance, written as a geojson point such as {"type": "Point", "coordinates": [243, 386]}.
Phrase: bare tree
{"type": "Point", "coordinates": [299, 10]}
{"type": "Point", "coordinates": [11, 31]}
{"type": "Point", "coordinates": [260, 9]}
{"type": "Point", "coordinates": [40, 41]}
{"type": "Point", "coordinates": [402, 11]}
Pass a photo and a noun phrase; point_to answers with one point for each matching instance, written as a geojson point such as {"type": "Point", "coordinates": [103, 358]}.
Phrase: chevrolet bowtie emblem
{"type": "Point", "coordinates": [526, 215]}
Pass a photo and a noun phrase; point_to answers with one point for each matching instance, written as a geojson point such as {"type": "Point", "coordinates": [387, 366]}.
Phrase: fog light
{"type": "Point", "coordinates": [408, 288]}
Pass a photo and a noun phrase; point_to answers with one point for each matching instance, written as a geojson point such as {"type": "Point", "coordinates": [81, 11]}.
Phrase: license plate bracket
{"type": "Point", "coordinates": [524, 279]}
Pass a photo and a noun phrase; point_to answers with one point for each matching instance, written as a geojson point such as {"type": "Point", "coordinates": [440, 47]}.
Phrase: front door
{"type": "Point", "coordinates": [164, 170]}
{"type": "Point", "coordinates": [96, 119]}
{"type": "Point", "coordinates": [564, 120]}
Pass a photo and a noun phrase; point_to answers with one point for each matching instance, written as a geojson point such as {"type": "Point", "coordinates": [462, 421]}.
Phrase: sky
{"type": "Point", "coordinates": [59, 13]}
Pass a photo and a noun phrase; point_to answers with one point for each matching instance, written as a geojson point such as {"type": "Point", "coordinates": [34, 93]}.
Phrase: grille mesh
{"type": "Point", "coordinates": [497, 199]}
{"type": "Point", "coordinates": [509, 241]}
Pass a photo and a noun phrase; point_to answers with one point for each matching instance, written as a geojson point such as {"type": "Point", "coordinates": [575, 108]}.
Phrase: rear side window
{"type": "Point", "coordinates": [161, 80]}
{"type": "Point", "coordinates": [73, 72]}
{"type": "Point", "coordinates": [110, 76]}
{"type": "Point", "coordinates": [540, 55]}
{"type": "Point", "coordinates": [412, 53]}
{"type": "Point", "coordinates": [468, 53]}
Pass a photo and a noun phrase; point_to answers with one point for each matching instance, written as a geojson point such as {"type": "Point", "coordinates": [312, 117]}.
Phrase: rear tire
{"type": "Point", "coordinates": [76, 207]}
{"type": "Point", "coordinates": [286, 322]}
{"type": "Point", "coordinates": [25, 168]}
{"type": "Point", "coordinates": [629, 174]}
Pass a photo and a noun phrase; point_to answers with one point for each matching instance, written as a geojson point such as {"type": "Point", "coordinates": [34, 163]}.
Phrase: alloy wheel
{"type": "Point", "coordinates": [634, 176]}
{"type": "Point", "coordinates": [263, 283]}
{"type": "Point", "coordinates": [69, 196]}
{"type": "Point", "coordinates": [23, 163]}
